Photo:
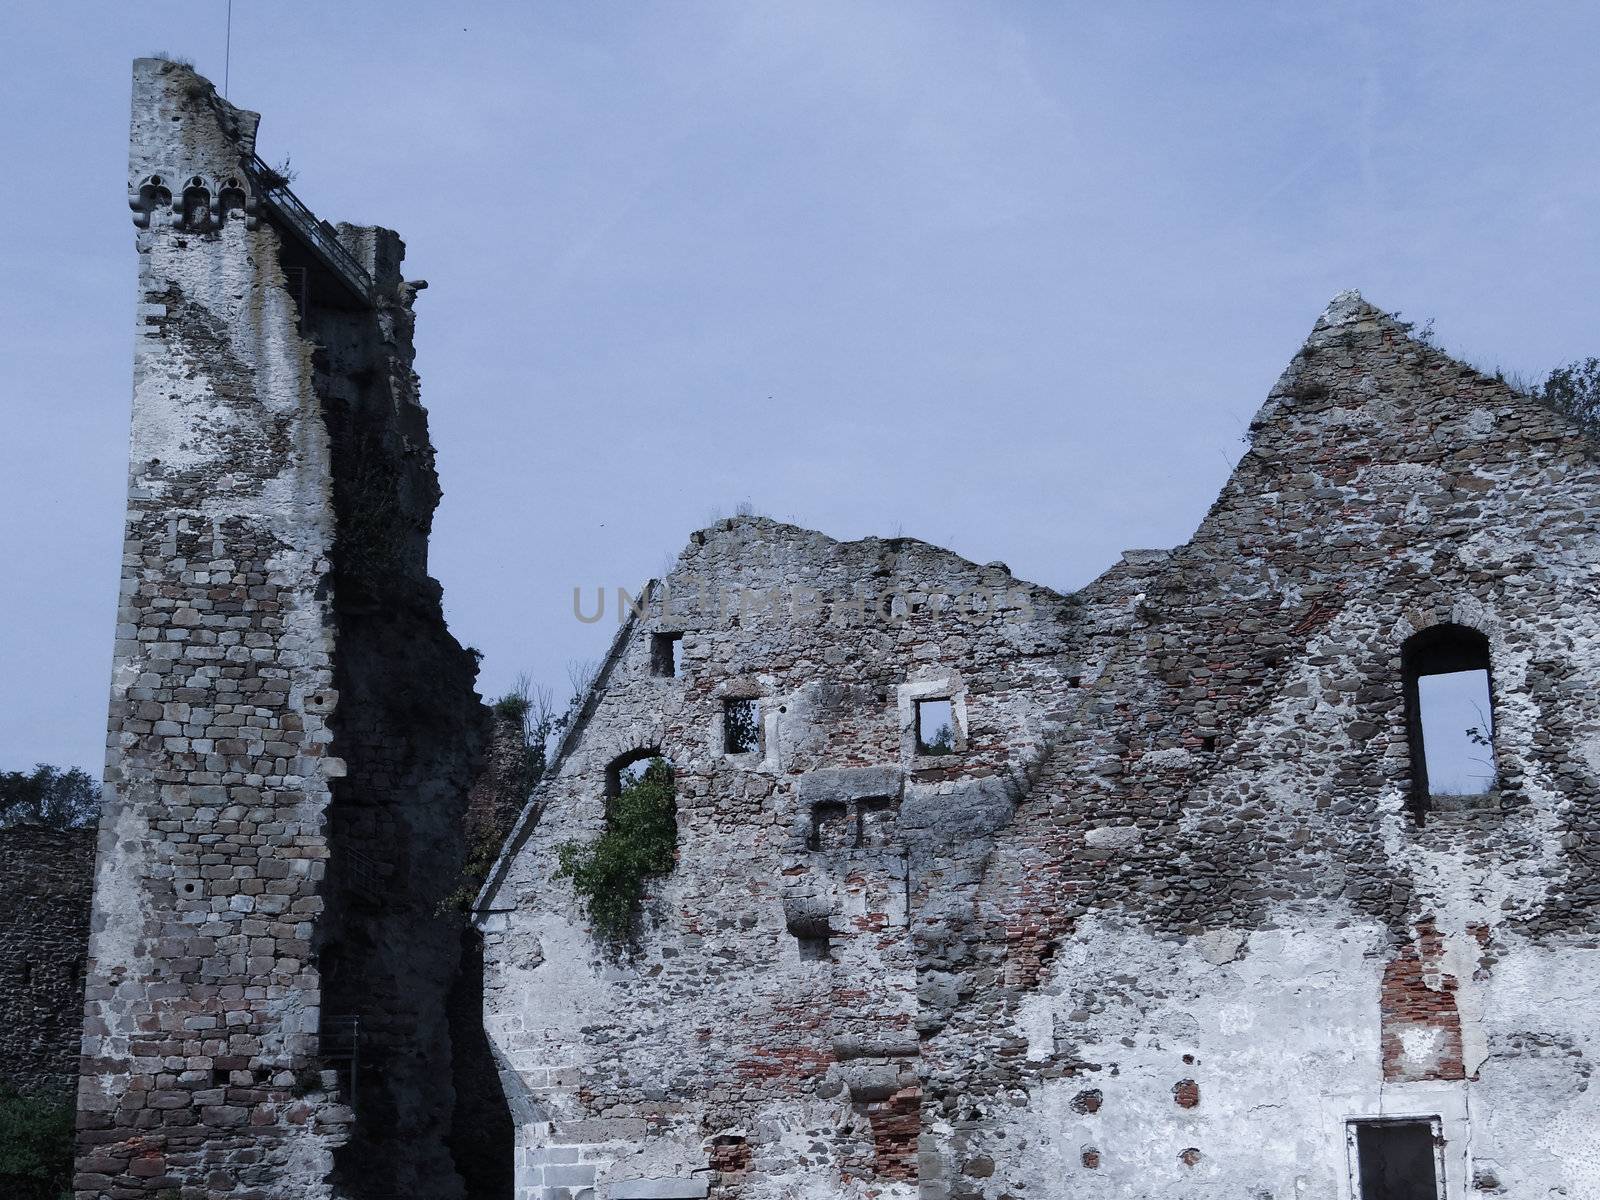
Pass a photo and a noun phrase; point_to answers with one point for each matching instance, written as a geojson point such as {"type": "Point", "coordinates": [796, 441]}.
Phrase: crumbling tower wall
{"type": "Point", "coordinates": [268, 817]}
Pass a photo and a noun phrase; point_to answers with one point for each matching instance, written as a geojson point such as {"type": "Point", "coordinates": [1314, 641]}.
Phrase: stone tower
{"type": "Point", "coordinates": [292, 729]}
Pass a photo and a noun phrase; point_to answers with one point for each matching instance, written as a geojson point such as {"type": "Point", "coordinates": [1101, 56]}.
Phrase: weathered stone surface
{"type": "Point", "coordinates": [658, 1189]}
{"type": "Point", "coordinates": [1166, 918]}
{"type": "Point", "coordinates": [46, 879]}
{"type": "Point", "coordinates": [292, 730]}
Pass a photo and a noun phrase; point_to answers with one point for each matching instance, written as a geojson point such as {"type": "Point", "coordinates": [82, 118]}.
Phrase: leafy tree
{"type": "Point", "coordinates": [942, 742]}
{"type": "Point", "coordinates": [640, 840]}
{"type": "Point", "coordinates": [1574, 391]}
{"type": "Point", "coordinates": [35, 1147]}
{"type": "Point", "coordinates": [49, 796]}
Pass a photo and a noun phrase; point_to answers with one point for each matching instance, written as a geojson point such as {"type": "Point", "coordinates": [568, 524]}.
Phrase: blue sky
{"type": "Point", "coordinates": [1456, 710]}
{"type": "Point", "coordinates": [1010, 277]}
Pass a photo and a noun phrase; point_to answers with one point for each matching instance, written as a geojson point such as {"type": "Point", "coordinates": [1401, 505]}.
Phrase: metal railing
{"type": "Point", "coordinates": [319, 236]}
{"type": "Point", "coordinates": [363, 875]}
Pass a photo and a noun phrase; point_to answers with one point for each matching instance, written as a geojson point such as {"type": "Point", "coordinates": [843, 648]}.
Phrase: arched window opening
{"type": "Point", "coordinates": [196, 207]}
{"type": "Point", "coordinates": [1450, 717]}
{"type": "Point", "coordinates": [628, 769]}
{"type": "Point", "coordinates": [640, 841]}
{"type": "Point", "coordinates": [231, 199]}
{"type": "Point", "coordinates": [154, 196]}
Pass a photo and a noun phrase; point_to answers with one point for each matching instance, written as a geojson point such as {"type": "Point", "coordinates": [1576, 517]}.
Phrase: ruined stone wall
{"type": "Point", "coordinates": [501, 789]}
{"type": "Point", "coordinates": [1170, 919]}
{"type": "Point", "coordinates": [1223, 860]}
{"type": "Point", "coordinates": [46, 876]}
{"type": "Point", "coordinates": [769, 1012]}
{"type": "Point", "coordinates": [273, 749]}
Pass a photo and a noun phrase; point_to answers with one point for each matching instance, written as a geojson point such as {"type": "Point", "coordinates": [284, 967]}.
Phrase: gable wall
{"type": "Point", "coordinates": [1145, 967]}
{"type": "Point", "coordinates": [1272, 910]}
{"type": "Point", "coordinates": [716, 1026]}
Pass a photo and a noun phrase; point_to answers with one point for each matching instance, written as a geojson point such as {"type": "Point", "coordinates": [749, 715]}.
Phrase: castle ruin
{"type": "Point", "coordinates": [1173, 910]}
{"type": "Point", "coordinates": [980, 891]}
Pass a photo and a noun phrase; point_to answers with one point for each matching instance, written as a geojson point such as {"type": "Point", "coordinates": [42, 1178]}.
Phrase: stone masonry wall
{"type": "Point", "coordinates": [1169, 919]}
{"type": "Point", "coordinates": [46, 876]}
{"type": "Point", "coordinates": [1236, 878]}
{"type": "Point", "coordinates": [773, 999]}
{"type": "Point", "coordinates": [259, 771]}
{"type": "Point", "coordinates": [203, 996]}
{"type": "Point", "coordinates": [410, 729]}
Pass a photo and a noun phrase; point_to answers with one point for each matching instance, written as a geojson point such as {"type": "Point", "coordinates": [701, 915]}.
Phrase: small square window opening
{"type": "Point", "coordinates": [816, 948]}
{"type": "Point", "coordinates": [741, 726]}
{"type": "Point", "coordinates": [665, 654]}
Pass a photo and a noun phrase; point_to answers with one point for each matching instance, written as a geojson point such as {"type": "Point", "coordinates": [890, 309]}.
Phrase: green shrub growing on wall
{"type": "Point", "coordinates": [526, 709]}
{"type": "Point", "coordinates": [640, 840]}
{"type": "Point", "coordinates": [35, 1147]}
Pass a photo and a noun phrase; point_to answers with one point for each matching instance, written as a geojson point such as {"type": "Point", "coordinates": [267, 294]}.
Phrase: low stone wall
{"type": "Point", "coordinates": [46, 882]}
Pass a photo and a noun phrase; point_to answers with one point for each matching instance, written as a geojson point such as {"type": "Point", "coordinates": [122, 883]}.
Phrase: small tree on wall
{"type": "Point", "coordinates": [640, 841]}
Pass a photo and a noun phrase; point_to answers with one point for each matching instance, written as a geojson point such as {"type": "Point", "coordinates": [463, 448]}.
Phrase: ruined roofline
{"type": "Point", "coordinates": [897, 544]}
{"type": "Point", "coordinates": [1344, 311]}
{"type": "Point", "coordinates": [1342, 318]}
{"type": "Point", "coordinates": [483, 902]}
{"type": "Point", "coordinates": [157, 184]}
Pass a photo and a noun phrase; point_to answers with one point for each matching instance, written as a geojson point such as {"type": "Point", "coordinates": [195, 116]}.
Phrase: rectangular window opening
{"type": "Point", "coordinates": [815, 949]}
{"type": "Point", "coordinates": [741, 726]}
{"type": "Point", "coordinates": [665, 654]}
{"type": "Point", "coordinates": [813, 936]}
{"type": "Point", "coordinates": [1398, 1160]}
{"type": "Point", "coordinates": [1457, 735]}
{"type": "Point", "coordinates": [936, 727]}
{"type": "Point", "coordinates": [1450, 719]}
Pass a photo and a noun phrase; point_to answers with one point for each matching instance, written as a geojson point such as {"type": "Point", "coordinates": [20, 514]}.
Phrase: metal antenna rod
{"type": "Point", "coordinates": [227, 50]}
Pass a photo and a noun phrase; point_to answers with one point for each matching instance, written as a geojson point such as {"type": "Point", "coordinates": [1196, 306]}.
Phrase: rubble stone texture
{"type": "Point", "coordinates": [1168, 917]}
{"type": "Point", "coordinates": [292, 731]}
{"type": "Point", "coordinates": [46, 878]}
